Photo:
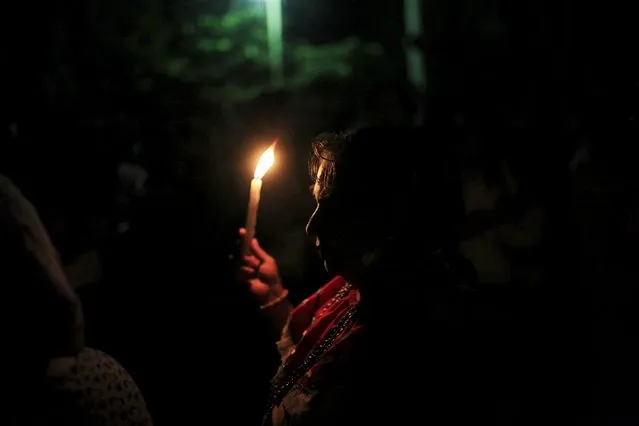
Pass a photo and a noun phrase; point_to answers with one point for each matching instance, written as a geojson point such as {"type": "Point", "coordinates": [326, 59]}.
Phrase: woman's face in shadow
{"type": "Point", "coordinates": [342, 227]}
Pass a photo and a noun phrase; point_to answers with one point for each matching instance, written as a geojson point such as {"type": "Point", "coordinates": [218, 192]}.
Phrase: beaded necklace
{"type": "Point", "coordinates": [341, 294]}
{"type": "Point", "coordinates": [281, 386]}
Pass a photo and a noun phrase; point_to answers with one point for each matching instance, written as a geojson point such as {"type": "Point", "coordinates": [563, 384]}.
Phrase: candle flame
{"type": "Point", "coordinates": [266, 161]}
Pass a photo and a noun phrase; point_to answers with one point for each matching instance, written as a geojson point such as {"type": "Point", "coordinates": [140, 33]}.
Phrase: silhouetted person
{"type": "Point", "coordinates": [385, 340]}
{"type": "Point", "coordinates": [50, 377]}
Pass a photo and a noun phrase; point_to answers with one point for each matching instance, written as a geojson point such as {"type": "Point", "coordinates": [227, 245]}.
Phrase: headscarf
{"type": "Point", "coordinates": [41, 315]}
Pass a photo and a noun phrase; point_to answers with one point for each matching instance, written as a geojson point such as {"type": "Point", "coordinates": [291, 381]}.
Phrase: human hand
{"type": "Point", "coordinates": [259, 271]}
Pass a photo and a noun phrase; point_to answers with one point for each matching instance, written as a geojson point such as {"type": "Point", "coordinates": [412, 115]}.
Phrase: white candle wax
{"type": "Point", "coordinates": [251, 215]}
{"type": "Point", "coordinates": [265, 163]}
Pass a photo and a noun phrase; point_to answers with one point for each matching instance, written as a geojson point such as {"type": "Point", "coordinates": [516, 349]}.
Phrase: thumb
{"type": "Point", "coordinates": [259, 251]}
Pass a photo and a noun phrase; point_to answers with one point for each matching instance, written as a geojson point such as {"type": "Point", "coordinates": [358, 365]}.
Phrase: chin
{"type": "Point", "coordinates": [333, 270]}
{"type": "Point", "coordinates": [329, 267]}
{"type": "Point", "coordinates": [334, 265]}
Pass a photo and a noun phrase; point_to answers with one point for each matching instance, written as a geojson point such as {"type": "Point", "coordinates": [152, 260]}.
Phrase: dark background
{"type": "Point", "coordinates": [181, 91]}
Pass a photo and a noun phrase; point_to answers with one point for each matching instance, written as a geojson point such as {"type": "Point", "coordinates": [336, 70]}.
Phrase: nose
{"type": "Point", "coordinates": [311, 226]}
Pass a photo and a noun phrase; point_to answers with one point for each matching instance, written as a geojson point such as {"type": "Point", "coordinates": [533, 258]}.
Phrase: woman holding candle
{"type": "Point", "coordinates": [385, 340]}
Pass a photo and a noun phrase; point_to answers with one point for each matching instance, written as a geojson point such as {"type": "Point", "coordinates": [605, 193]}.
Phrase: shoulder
{"type": "Point", "coordinates": [302, 316]}
{"type": "Point", "coordinates": [100, 391]}
{"type": "Point", "coordinates": [326, 292]}
{"type": "Point", "coordinates": [320, 297]}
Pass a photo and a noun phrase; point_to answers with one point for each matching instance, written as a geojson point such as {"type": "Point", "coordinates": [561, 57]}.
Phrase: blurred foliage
{"type": "Point", "coordinates": [129, 65]}
{"type": "Point", "coordinates": [226, 55]}
{"type": "Point", "coordinates": [339, 60]}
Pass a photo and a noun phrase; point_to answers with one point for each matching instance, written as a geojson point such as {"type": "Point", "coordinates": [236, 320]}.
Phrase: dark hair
{"type": "Point", "coordinates": [48, 315]}
{"type": "Point", "coordinates": [325, 148]}
{"type": "Point", "coordinates": [398, 165]}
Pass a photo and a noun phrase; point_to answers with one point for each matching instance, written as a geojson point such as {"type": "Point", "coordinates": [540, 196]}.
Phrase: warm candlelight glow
{"type": "Point", "coordinates": [266, 161]}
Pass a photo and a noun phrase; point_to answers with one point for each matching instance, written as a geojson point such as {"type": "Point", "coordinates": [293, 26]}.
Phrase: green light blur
{"type": "Point", "coordinates": [275, 41]}
{"type": "Point", "coordinates": [414, 56]}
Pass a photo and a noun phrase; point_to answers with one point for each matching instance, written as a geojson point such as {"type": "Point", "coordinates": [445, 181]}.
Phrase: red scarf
{"type": "Point", "coordinates": [312, 319]}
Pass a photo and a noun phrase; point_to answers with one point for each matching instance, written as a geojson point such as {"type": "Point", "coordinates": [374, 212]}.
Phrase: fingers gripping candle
{"type": "Point", "coordinates": [263, 165]}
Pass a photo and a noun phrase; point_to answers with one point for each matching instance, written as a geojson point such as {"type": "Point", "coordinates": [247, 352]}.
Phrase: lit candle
{"type": "Point", "coordinates": [266, 161]}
